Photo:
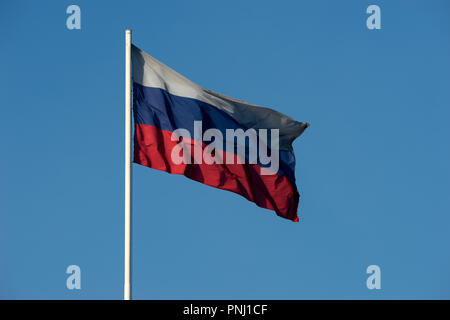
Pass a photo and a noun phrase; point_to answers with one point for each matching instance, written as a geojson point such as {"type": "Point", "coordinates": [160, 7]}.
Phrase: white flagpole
{"type": "Point", "coordinates": [127, 269]}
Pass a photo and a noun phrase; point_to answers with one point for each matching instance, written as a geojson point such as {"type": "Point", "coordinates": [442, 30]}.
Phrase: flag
{"type": "Point", "coordinates": [182, 128]}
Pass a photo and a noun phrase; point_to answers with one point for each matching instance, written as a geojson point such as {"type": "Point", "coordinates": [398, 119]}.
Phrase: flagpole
{"type": "Point", "coordinates": [127, 268]}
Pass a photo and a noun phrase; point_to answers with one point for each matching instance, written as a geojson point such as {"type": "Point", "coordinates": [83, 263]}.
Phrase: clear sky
{"type": "Point", "coordinates": [372, 170]}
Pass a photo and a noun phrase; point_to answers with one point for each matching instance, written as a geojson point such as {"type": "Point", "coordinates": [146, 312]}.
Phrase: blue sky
{"type": "Point", "coordinates": [372, 169]}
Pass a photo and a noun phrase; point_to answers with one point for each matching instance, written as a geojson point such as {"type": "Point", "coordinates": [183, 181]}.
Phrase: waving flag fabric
{"type": "Point", "coordinates": [165, 105]}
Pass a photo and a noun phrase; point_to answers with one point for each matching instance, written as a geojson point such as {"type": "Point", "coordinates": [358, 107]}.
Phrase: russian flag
{"type": "Point", "coordinates": [175, 117]}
